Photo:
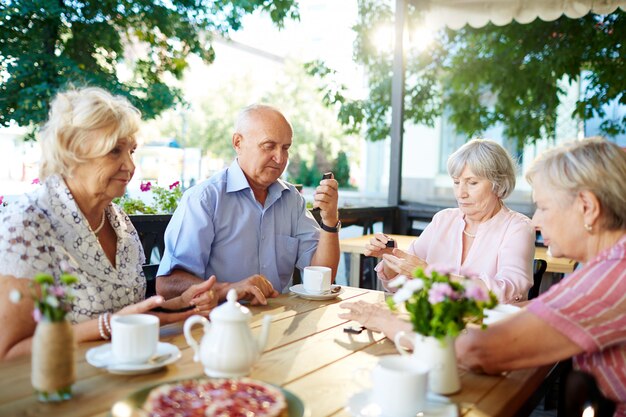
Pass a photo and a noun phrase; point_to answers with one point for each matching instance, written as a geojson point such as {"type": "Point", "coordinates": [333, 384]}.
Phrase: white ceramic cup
{"type": "Point", "coordinates": [316, 279]}
{"type": "Point", "coordinates": [399, 385]}
{"type": "Point", "coordinates": [134, 338]}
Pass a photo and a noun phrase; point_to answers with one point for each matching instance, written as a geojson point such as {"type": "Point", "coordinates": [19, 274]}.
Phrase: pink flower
{"type": "Point", "coordinates": [439, 291]}
{"type": "Point", "coordinates": [440, 269]}
{"type": "Point", "coordinates": [1, 199]}
{"type": "Point", "coordinates": [36, 181]}
{"type": "Point", "coordinates": [174, 185]}
{"type": "Point", "coordinates": [37, 315]}
{"type": "Point", "coordinates": [476, 292]}
{"type": "Point", "coordinates": [145, 186]}
{"type": "Point", "coordinates": [57, 291]}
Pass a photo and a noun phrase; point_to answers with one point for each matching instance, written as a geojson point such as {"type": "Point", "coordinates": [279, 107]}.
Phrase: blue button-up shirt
{"type": "Point", "coordinates": [220, 229]}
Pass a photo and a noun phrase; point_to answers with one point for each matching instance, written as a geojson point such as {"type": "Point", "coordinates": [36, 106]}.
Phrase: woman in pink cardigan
{"type": "Point", "coordinates": [482, 239]}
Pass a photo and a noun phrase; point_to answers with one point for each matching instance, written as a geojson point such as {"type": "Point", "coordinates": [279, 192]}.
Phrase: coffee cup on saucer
{"type": "Point", "coordinates": [134, 338]}
{"type": "Point", "coordinates": [317, 279]}
{"type": "Point", "coordinates": [399, 385]}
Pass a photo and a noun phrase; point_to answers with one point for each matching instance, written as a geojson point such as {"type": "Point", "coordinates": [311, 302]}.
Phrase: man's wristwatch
{"type": "Point", "coordinates": [331, 229]}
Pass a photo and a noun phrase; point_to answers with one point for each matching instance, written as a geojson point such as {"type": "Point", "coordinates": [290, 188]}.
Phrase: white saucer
{"type": "Point", "coordinates": [102, 357]}
{"type": "Point", "coordinates": [361, 405]}
{"type": "Point", "coordinates": [301, 292]}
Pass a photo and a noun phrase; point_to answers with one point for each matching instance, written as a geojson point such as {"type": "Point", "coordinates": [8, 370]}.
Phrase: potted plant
{"type": "Point", "coordinates": [53, 371]}
{"type": "Point", "coordinates": [439, 306]}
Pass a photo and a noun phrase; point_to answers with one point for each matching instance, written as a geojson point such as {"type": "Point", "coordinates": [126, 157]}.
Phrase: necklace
{"type": "Point", "coordinates": [468, 234]}
{"type": "Point", "coordinates": [101, 225]}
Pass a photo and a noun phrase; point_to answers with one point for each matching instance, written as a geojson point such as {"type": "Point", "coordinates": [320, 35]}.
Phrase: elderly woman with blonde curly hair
{"type": "Point", "coordinates": [71, 225]}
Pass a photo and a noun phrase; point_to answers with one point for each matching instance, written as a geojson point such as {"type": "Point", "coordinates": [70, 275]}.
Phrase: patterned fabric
{"type": "Point", "coordinates": [589, 308]}
{"type": "Point", "coordinates": [46, 227]}
{"type": "Point", "coordinates": [501, 255]}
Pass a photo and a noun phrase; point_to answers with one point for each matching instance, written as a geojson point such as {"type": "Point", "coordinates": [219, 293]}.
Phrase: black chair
{"type": "Point", "coordinates": [539, 268]}
{"type": "Point", "coordinates": [581, 392]}
{"type": "Point", "coordinates": [150, 272]}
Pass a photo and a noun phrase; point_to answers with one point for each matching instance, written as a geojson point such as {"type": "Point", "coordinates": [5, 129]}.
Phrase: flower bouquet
{"type": "Point", "coordinates": [164, 200]}
{"type": "Point", "coordinates": [53, 343]}
{"type": "Point", "coordinates": [439, 308]}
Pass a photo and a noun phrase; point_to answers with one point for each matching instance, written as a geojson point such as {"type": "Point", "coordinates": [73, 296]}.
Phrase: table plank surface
{"type": "Point", "coordinates": [356, 247]}
{"type": "Point", "coordinates": [307, 353]}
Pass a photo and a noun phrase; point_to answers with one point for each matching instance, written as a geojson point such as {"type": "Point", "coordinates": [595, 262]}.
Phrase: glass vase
{"type": "Point", "coordinates": [53, 371]}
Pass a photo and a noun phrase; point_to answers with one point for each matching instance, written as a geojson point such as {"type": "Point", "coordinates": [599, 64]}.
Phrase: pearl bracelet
{"type": "Point", "coordinates": [107, 323]}
{"type": "Point", "coordinates": [103, 334]}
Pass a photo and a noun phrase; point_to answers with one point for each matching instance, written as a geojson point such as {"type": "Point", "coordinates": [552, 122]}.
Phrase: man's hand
{"type": "Point", "coordinates": [255, 288]}
{"type": "Point", "coordinates": [402, 262]}
{"type": "Point", "coordinates": [326, 197]}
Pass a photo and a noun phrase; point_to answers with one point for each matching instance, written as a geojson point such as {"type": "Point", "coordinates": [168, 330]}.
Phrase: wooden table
{"type": "Point", "coordinates": [307, 353]}
{"type": "Point", "coordinates": [355, 246]}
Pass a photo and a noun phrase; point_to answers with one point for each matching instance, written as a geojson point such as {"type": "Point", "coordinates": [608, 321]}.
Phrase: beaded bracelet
{"type": "Point", "coordinates": [107, 323]}
{"type": "Point", "coordinates": [103, 335]}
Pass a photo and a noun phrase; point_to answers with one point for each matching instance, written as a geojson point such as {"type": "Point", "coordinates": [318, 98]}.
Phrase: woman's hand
{"type": "Point", "coordinates": [199, 295]}
{"type": "Point", "coordinates": [145, 307]}
{"type": "Point", "coordinates": [401, 262]}
{"type": "Point", "coordinates": [375, 317]}
{"type": "Point", "coordinates": [378, 246]}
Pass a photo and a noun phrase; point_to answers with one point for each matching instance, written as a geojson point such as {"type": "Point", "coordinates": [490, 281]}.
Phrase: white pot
{"type": "Point", "coordinates": [443, 377]}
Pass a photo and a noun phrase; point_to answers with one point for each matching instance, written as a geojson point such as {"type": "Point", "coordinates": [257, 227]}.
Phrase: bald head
{"type": "Point", "coordinates": [256, 115]}
{"type": "Point", "coordinates": [262, 139]}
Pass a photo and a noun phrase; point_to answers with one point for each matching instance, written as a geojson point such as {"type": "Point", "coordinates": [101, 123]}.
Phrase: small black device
{"type": "Point", "coordinates": [391, 243]}
{"type": "Point", "coordinates": [326, 176]}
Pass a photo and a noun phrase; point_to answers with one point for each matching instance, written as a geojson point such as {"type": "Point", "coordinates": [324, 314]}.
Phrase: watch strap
{"type": "Point", "coordinates": [330, 229]}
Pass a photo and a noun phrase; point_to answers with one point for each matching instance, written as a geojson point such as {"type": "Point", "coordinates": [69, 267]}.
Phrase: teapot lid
{"type": "Point", "coordinates": [231, 310]}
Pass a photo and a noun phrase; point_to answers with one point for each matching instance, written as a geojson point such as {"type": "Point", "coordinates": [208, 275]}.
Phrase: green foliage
{"type": "Point", "coordinates": [52, 301]}
{"type": "Point", "coordinates": [341, 170]}
{"type": "Point", "coordinates": [134, 205]}
{"type": "Point", "coordinates": [164, 200]}
{"type": "Point", "coordinates": [508, 75]}
{"type": "Point", "coordinates": [439, 306]}
{"type": "Point", "coordinates": [47, 45]}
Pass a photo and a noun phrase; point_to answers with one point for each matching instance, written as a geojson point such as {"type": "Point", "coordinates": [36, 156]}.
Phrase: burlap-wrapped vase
{"type": "Point", "coordinates": [53, 371]}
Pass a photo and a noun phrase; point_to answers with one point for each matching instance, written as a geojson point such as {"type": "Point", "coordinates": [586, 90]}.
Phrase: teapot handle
{"type": "Point", "coordinates": [189, 323]}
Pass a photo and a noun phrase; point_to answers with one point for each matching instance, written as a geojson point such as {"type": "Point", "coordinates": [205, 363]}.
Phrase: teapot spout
{"type": "Point", "coordinates": [264, 333]}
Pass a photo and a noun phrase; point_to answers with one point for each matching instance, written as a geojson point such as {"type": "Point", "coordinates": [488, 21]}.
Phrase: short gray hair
{"type": "Point", "coordinates": [487, 159]}
{"type": "Point", "coordinates": [592, 164]}
{"type": "Point", "coordinates": [84, 124]}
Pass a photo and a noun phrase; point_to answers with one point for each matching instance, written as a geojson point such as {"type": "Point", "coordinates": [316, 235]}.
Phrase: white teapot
{"type": "Point", "coordinates": [227, 349]}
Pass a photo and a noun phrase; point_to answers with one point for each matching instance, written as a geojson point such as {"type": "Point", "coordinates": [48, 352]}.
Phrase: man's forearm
{"type": "Point", "coordinates": [327, 253]}
{"type": "Point", "coordinates": [174, 284]}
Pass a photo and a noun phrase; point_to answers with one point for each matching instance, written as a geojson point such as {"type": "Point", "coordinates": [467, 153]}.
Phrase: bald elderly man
{"type": "Point", "coordinates": [245, 225]}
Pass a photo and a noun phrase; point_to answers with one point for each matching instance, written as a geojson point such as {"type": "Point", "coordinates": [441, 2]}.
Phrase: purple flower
{"type": "Point", "coordinates": [174, 185]}
{"type": "Point", "coordinates": [476, 292]}
{"type": "Point", "coordinates": [145, 186]}
{"type": "Point", "coordinates": [36, 181]}
{"type": "Point", "coordinates": [37, 315]}
{"type": "Point", "coordinates": [439, 291]}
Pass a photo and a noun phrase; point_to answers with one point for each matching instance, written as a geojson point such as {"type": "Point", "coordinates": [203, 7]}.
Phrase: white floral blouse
{"type": "Point", "coordinates": [46, 227]}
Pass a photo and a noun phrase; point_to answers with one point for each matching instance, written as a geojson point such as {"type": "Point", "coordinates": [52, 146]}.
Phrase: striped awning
{"type": "Point", "coordinates": [477, 13]}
